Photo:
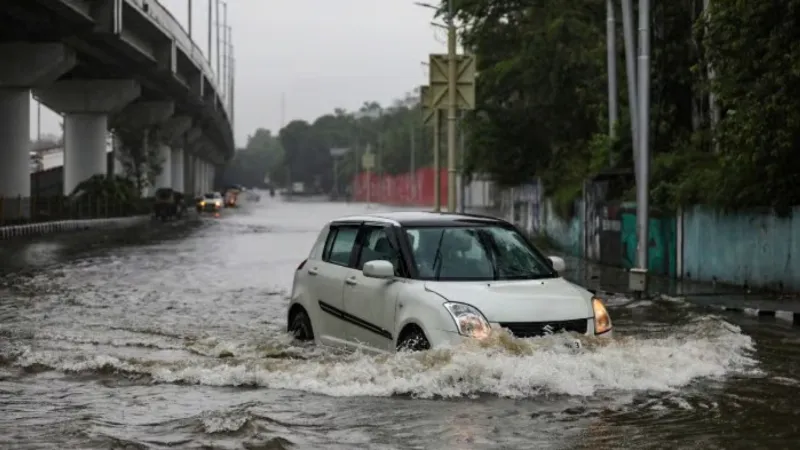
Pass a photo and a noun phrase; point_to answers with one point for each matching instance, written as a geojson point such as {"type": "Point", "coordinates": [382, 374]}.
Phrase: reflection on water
{"type": "Point", "coordinates": [181, 342]}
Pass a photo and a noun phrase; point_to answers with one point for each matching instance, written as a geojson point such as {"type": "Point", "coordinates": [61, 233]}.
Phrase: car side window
{"type": "Point", "coordinates": [376, 245]}
{"type": "Point", "coordinates": [340, 245]}
{"type": "Point", "coordinates": [320, 247]}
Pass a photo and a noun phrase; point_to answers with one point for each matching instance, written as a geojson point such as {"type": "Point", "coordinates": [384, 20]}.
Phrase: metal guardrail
{"type": "Point", "coordinates": [170, 25]}
{"type": "Point", "coordinates": [27, 210]}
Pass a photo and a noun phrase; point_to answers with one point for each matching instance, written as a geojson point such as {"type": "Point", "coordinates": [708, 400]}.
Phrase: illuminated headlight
{"type": "Point", "coordinates": [469, 321]}
{"type": "Point", "coordinates": [602, 321]}
{"type": "Point", "coordinates": [202, 203]}
{"type": "Point", "coordinates": [218, 203]}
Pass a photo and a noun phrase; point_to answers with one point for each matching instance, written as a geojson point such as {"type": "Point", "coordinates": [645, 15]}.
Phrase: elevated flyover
{"type": "Point", "coordinates": [107, 64]}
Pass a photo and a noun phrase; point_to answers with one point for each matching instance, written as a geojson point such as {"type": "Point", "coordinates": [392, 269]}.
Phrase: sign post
{"type": "Point", "coordinates": [368, 163]}
{"type": "Point", "coordinates": [335, 154]}
{"type": "Point", "coordinates": [452, 87]}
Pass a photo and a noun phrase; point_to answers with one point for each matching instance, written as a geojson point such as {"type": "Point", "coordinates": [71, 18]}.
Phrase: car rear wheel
{"type": "Point", "coordinates": [413, 340]}
{"type": "Point", "coordinates": [300, 326]}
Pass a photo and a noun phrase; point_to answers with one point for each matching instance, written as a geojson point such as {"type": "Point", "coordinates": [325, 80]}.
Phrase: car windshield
{"type": "Point", "coordinates": [475, 253]}
{"type": "Point", "coordinates": [212, 195]}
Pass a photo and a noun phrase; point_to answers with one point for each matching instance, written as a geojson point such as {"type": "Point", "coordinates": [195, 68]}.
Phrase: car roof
{"type": "Point", "coordinates": [423, 218]}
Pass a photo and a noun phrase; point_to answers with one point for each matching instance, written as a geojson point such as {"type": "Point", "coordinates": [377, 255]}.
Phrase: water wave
{"type": "Point", "coordinates": [707, 348]}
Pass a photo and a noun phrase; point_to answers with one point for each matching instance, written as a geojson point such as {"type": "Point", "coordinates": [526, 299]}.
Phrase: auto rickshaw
{"type": "Point", "coordinates": [231, 198]}
{"type": "Point", "coordinates": [169, 204]}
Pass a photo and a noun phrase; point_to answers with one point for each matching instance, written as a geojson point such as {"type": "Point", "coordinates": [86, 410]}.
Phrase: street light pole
{"type": "Point", "coordinates": [189, 22]}
{"type": "Point", "coordinates": [452, 73]}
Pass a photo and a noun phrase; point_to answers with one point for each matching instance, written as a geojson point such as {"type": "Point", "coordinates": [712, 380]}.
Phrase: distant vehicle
{"type": "Point", "coordinates": [210, 202]}
{"type": "Point", "coordinates": [231, 198]}
{"type": "Point", "coordinates": [418, 280]}
{"type": "Point", "coordinates": [169, 204]}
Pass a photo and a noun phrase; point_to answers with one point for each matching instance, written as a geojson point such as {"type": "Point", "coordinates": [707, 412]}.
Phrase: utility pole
{"type": "Point", "coordinates": [611, 50]}
{"type": "Point", "coordinates": [369, 176]}
{"type": "Point", "coordinates": [642, 186]}
{"type": "Point", "coordinates": [224, 54]}
{"type": "Point", "coordinates": [189, 22]}
{"type": "Point", "coordinates": [633, 85]}
{"type": "Point", "coordinates": [210, 30]}
{"type": "Point", "coordinates": [218, 40]}
{"type": "Point", "coordinates": [229, 83]}
{"type": "Point", "coordinates": [462, 179]}
{"type": "Point", "coordinates": [452, 74]}
{"type": "Point", "coordinates": [437, 161]}
{"type": "Point", "coordinates": [412, 163]}
{"type": "Point", "coordinates": [233, 91]}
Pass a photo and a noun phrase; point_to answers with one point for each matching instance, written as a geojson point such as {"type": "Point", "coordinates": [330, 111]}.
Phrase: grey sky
{"type": "Point", "coordinates": [321, 54]}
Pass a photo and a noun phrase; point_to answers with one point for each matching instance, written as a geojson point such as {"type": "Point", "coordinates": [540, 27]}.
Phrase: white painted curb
{"type": "Point", "coordinates": [37, 229]}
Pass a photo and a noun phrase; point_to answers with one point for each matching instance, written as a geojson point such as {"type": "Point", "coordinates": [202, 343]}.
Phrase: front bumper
{"type": "Point", "coordinates": [442, 338]}
{"type": "Point", "coordinates": [208, 207]}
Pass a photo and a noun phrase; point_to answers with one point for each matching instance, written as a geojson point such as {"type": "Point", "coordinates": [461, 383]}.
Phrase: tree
{"type": "Point", "coordinates": [139, 154]}
{"type": "Point", "coordinates": [258, 164]}
{"type": "Point", "coordinates": [387, 131]}
{"type": "Point", "coordinates": [542, 105]}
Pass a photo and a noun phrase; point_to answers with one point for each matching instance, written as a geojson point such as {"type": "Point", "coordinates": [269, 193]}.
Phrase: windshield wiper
{"type": "Point", "coordinates": [437, 257]}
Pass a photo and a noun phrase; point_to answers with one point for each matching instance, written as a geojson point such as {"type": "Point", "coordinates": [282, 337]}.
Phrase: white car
{"type": "Point", "coordinates": [421, 280]}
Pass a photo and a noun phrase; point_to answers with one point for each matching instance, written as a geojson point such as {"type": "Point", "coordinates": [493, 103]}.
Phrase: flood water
{"type": "Point", "coordinates": [173, 336]}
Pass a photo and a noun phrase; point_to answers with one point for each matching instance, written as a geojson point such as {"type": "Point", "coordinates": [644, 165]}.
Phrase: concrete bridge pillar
{"type": "Point", "coordinates": [164, 177]}
{"type": "Point", "coordinates": [189, 159]}
{"type": "Point", "coordinates": [188, 174]}
{"type": "Point", "coordinates": [84, 148]}
{"type": "Point", "coordinates": [174, 132]}
{"type": "Point", "coordinates": [177, 170]}
{"type": "Point", "coordinates": [201, 176]}
{"type": "Point", "coordinates": [15, 172]}
{"type": "Point", "coordinates": [86, 105]}
{"type": "Point", "coordinates": [24, 66]}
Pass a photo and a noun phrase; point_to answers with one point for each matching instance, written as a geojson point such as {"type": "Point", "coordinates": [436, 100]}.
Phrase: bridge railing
{"type": "Point", "coordinates": [161, 15]}
{"type": "Point", "coordinates": [22, 210]}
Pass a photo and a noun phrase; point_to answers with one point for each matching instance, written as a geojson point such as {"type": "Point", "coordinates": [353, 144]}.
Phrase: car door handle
{"type": "Point", "coordinates": [313, 271]}
{"type": "Point", "coordinates": [351, 281]}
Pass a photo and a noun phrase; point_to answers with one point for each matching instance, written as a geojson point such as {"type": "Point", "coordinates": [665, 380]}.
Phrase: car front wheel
{"type": "Point", "coordinates": [300, 326]}
{"type": "Point", "coordinates": [413, 340]}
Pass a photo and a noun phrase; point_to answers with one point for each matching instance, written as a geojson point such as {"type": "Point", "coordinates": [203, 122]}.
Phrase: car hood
{"type": "Point", "coordinates": [547, 300]}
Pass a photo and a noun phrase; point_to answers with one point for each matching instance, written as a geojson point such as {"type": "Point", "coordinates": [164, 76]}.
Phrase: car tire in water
{"type": "Point", "coordinates": [413, 340]}
{"type": "Point", "coordinates": [300, 326]}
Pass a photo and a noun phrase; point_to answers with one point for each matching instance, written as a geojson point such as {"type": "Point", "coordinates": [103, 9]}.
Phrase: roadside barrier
{"type": "Point", "coordinates": [41, 228]}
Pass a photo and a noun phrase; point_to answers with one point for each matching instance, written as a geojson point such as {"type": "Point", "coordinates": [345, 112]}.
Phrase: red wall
{"type": "Point", "coordinates": [396, 189]}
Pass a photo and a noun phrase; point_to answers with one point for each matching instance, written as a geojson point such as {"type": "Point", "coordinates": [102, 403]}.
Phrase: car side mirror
{"type": "Point", "coordinates": [378, 269]}
{"type": "Point", "coordinates": [558, 263]}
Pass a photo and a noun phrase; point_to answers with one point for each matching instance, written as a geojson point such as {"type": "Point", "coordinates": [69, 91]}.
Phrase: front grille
{"type": "Point", "coordinates": [534, 329]}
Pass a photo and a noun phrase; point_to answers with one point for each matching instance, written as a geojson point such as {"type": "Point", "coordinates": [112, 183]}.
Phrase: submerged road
{"type": "Point", "coordinates": [173, 336]}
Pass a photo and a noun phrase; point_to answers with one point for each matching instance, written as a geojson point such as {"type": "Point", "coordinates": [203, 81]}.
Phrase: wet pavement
{"type": "Point", "coordinates": [173, 336]}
